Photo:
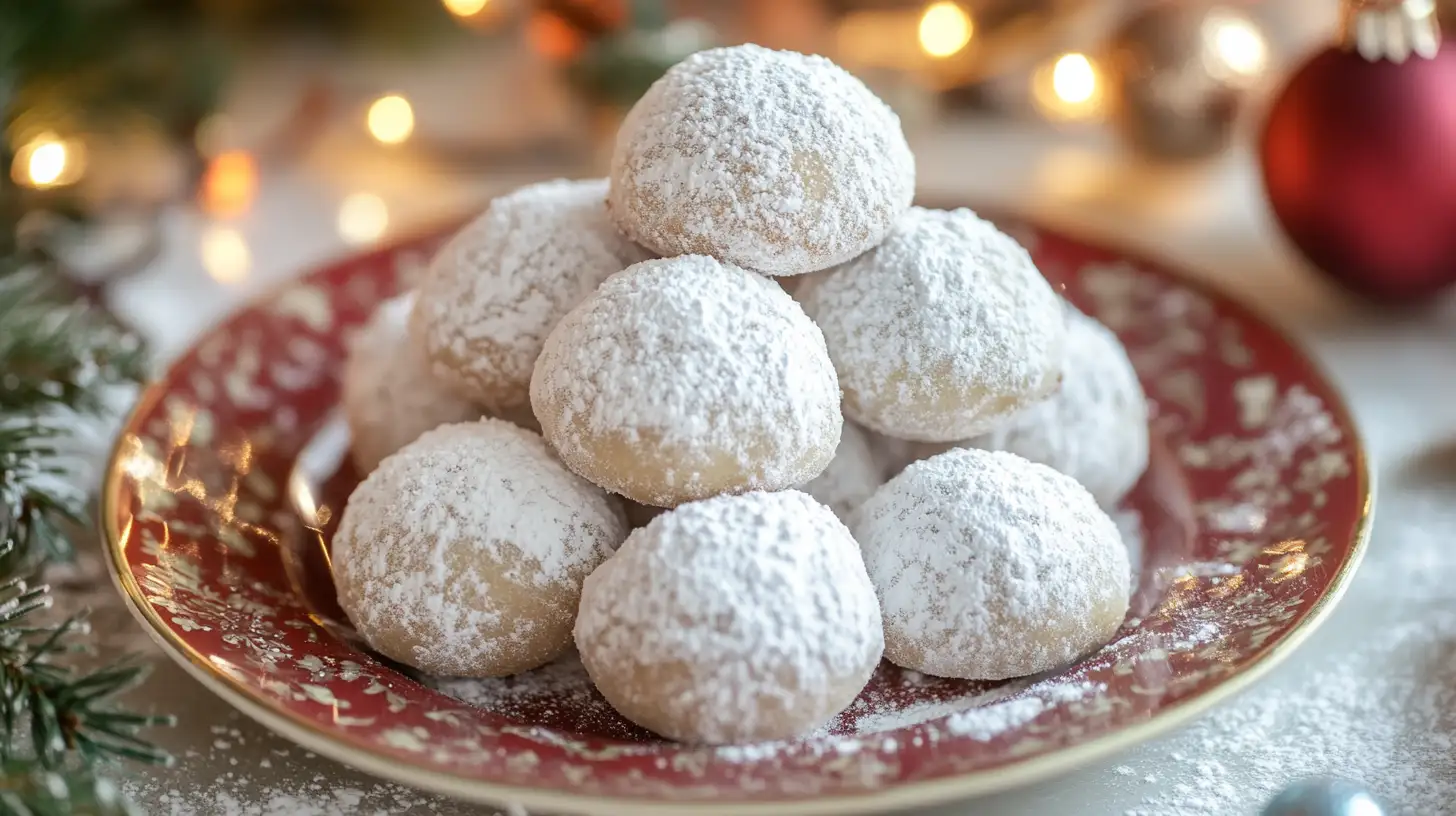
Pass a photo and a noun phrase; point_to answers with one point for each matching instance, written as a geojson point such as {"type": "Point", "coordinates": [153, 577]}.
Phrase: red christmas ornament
{"type": "Point", "coordinates": [1359, 154]}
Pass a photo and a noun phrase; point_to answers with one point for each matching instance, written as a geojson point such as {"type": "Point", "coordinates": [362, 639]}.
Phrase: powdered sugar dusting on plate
{"type": "Point", "coordinates": [561, 695]}
{"type": "Point", "coordinates": [557, 695]}
{"type": "Point", "coordinates": [1390, 729]}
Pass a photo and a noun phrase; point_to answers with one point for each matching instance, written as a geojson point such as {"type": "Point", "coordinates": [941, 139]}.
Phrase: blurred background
{"type": "Point", "coordinates": [165, 160]}
{"type": "Point", "coordinates": [176, 155]}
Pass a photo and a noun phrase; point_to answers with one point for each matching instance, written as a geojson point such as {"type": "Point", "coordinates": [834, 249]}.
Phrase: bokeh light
{"type": "Point", "coordinates": [225, 254]}
{"type": "Point", "coordinates": [230, 184]}
{"type": "Point", "coordinates": [1236, 47]}
{"type": "Point", "coordinates": [945, 29]}
{"type": "Point", "coordinates": [465, 8]}
{"type": "Point", "coordinates": [363, 218]}
{"type": "Point", "coordinates": [391, 119]}
{"type": "Point", "coordinates": [1068, 88]}
{"type": "Point", "coordinates": [47, 161]}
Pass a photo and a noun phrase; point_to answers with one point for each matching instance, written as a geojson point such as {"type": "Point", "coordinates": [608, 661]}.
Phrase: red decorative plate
{"type": "Point", "coordinates": [1251, 520]}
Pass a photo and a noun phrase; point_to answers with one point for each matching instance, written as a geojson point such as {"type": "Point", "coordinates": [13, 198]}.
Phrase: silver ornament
{"type": "Point", "coordinates": [1179, 74]}
{"type": "Point", "coordinates": [1324, 797]}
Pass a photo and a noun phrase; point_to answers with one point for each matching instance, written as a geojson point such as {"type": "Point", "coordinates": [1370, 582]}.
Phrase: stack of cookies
{"type": "Point", "coordinates": [737, 422]}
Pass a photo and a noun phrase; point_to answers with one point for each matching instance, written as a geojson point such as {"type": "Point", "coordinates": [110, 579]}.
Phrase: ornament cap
{"type": "Point", "coordinates": [1391, 29]}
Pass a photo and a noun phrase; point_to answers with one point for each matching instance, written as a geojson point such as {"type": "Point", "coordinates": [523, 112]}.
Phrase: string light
{"type": "Point", "coordinates": [552, 37]}
{"type": "Point", "coordinates": [1068, 88]}
{"type": "Point", "coordinates": [391, 119]}
{"type": "Point", "coordinates": [363, 218]}
{"type": "Point", "coordinates": [229, 184]}
{"type": "Point", "coordinates": [1074, 79]}
{"type": "Point", "coordinates": [225, 254]}
{"type": "Point", "coordinates": [1235, 47]}
{"type": "Point", "coordinates": [47, 161]}
{"type": "Point", "coordinates": [465, 8]}
{"type": "Point", "coordinates": [945, 29]}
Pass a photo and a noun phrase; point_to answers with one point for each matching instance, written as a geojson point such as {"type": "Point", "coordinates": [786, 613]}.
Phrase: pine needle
{"type": "Point", "coordinates": [51, 712]}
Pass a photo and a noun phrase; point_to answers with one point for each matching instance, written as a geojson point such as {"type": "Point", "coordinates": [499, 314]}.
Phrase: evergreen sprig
{"type": "Point", "coordinates": [57, 361]}
{"type": "Point", "coordinates": [57, 358]}
{"type": "Point", "coordinates": [27, 789]}
{"type": "Point", "coordinates": [73, 718]}
{"type": "Point", "coordinates": [56, 353]}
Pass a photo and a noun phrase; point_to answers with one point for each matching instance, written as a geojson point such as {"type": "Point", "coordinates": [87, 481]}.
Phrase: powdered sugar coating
{"type": "Point", "coordinates": [463, 553]}
{"type": "Point", "coordinates": [734, 619]}
{"type": "Point", "coordinates": [1095, 427]}
{"type": "Point", "coordinates": [851, 477]}
{"type": "Point", "coordinates": [941, 331]}
{"type": "Point", "coordinates": [502, 283]}
{"type": "Point", "coordinates": [389, 394]}
{"type": "Point", "coordinates": [988, 566]}
{"type": "Point", "coordinates": [684, 378]}
{"type": "Point", "coordinates": [775, 161]}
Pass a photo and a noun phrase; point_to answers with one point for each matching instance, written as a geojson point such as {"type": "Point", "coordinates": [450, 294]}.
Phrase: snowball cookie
{"type": "Point", "coordinates": [853, 474]}
{"type": "Point", "coordinates": [498, 287]}
{"type": "Point", "coordinates": [1095, 427]}
{"type": "Point", "coordinates": [735, 619]}
{"type": "Point", "coordinates": [778, 162]}
{"type": "Point", "coordinates": [389, 395]}
{"type": "Point", "coordinates": [988, 566]}
{"type": "Point", "coordinates": [942, 331]}
{"type": "Point", "coordinates": [463, 554]}
{"type": "Point", "coordinates": [684, 378]}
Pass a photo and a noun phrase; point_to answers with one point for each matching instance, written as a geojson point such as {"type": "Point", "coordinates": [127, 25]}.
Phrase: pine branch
{"type": "Point", "coordinates": [57, 361]}
{"type": "Point", "coordinates": [58, 358]}
{"type": "Point", "coordinates": [52, 714]}
{"type": "Point", "coordinates": [28, 790]}
{"type": "Point", "coordinates": [55, 353]}
{"type": "Point", "coordinates": [35, 497]}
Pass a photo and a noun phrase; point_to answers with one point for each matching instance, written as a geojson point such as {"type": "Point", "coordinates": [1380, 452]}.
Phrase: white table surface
{"type": "Point", "coordinates": [1397, 373]}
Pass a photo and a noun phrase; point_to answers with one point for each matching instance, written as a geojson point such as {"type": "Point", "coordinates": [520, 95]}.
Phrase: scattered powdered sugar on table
{"type": "Point", "coordinates": [272, 785]}
{"type": "Point", "coordinates": [1391, 732]}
